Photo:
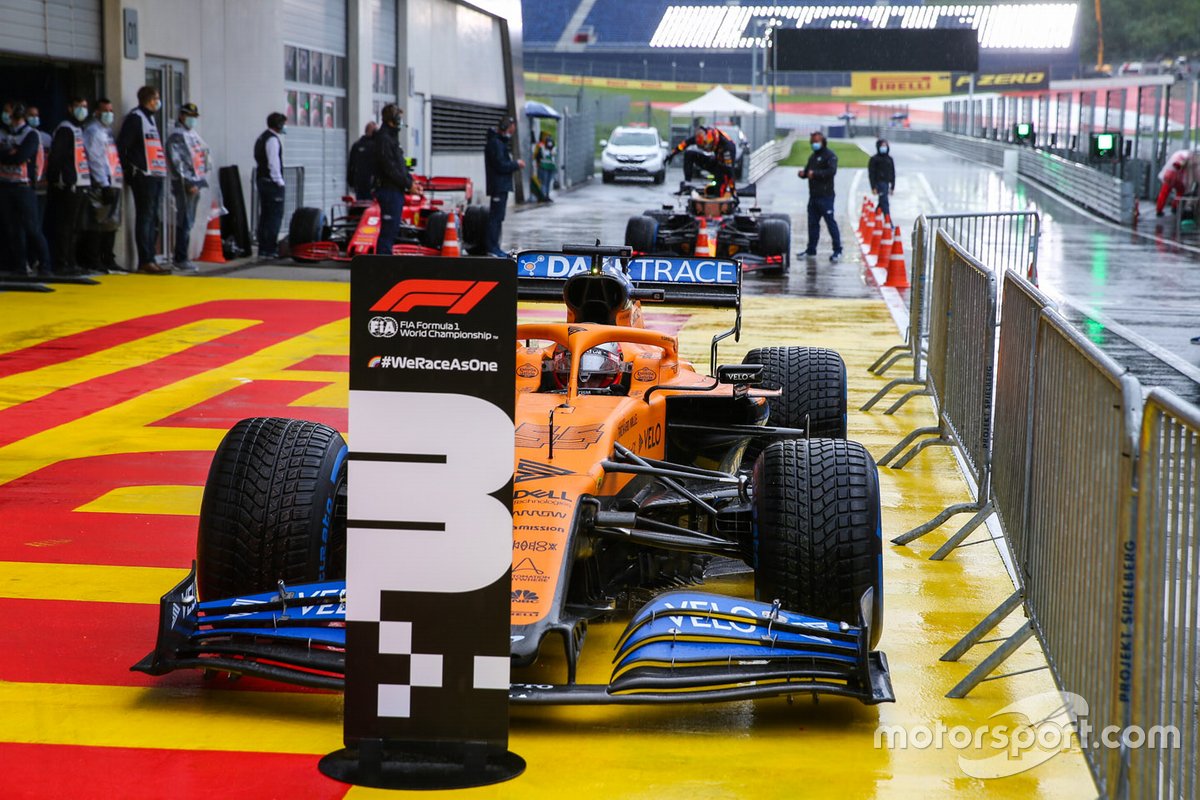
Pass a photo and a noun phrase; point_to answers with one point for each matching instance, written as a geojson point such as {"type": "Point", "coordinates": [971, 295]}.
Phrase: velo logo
{"type": "Point", "coordinates": [457, 297]}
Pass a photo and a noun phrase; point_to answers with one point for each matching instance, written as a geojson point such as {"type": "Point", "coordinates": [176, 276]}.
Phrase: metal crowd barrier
{"type": "Point", "coordinates": [1006, 240]}
{"type": "Point", "coordinates": [1074, 520]}
{"type": "Point", "coordinates": [1162, 672]}
{"type": "Point", "coordinates": [962, 343]}
{"type": "Point", "coordinates": [766, 157]}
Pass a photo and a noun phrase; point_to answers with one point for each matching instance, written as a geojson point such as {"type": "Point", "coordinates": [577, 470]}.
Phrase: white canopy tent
{"type": "Point", "coordinates": [716, 102]}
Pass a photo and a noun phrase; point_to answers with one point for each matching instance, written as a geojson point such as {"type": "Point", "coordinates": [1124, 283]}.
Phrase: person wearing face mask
{"type": "Point", "coordinates": [881, 173]}
{"type": "Point", "coordinates": [103, 215]}
{"type": "Point", "coordinates": [145, 165]}
{"type": "Point", "coordinates": [268, 157]}
{"type": "Point", "coordinates": [499, 165]}
{"type": "Point", "coordinates": [70, 178]}
{"type": "Point", "coordinates": [819, 172]}
{"type": "Point", "coordinates": [6, 119]}
{"type": "Point", "coordinates": [34, 117]}
{"type": "Point", "coordinates": [20, 163]}
{"type": "Point", "coordinates": [392, 178]}
{"type": "Point", "coordinates": [188, 156]}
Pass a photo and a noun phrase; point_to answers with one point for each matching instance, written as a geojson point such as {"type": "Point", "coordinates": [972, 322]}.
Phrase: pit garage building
{"type": "Point", "coordinates": [331, 65]}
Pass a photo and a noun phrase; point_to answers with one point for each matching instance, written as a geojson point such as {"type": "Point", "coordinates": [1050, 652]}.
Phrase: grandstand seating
{"type": "Point", "coordinates": [627, 22]}
{"type": "Point", "coordinates": [544, 22]}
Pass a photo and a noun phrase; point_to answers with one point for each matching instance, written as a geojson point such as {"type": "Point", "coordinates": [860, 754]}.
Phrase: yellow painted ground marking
{"type": "Point", "coordinates": [21, 580]}
{"type": "Point", "coordinates": [178, 500]}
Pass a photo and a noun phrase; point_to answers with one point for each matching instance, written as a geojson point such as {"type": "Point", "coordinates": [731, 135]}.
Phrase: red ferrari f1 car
{"type": "Point", "coordinates": [352, 227]}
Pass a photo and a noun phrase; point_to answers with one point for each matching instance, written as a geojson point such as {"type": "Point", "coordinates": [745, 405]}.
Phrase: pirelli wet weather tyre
{"type": "Point", "coordinates": [813, 380]}
{"type": "Point", "coordinates": [775, 239]}
{"type": "Point", "coordinates": [434, 232]}
{"type": "Point", "coordinates": [274, 508]}
{"type": "Point", "coordinates": [818, 544]}
{"type": "Point", "coordinates": [307, 226]}
{"type": "Point", "coordinates": [474, 230]}
{"type": "Point", "coordinates": [641, 233]}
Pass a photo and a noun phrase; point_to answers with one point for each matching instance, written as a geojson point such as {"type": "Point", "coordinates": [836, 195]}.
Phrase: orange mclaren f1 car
{"type": "Point", "coordinates": [636, 477]}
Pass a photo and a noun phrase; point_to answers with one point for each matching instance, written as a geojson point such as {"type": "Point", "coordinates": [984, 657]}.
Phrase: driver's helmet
{"type": "Point", "coordinates": [706, 138]}
{"type": "Point", "coordinates": [599, 368]}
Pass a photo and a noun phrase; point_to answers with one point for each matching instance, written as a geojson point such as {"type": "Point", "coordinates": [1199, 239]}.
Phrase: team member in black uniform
{"type": "Point", "coordinates": [268, 157]}
{"type": "Point", "coordinates": [881, 172]}
{"type": "Point", "coordinates": [360, 165]}
{"type": "Point", "coordinates": [392, 179]}
{"type": "Point", "coordinates": [819, 172]}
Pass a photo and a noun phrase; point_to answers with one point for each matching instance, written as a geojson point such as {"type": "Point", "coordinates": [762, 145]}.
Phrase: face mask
{"type": "Point", "coordinates": [283, 129]}
{"type": "Point", "coordinates": [154, 106]}
{"type": "Point", "coordinates": [815, 146]}
{"type": "Point", "coordinates": [5, 117]}
{"type": "Point", "coordinates": [34, 121]}
{"type": "Point", "coordinates": [106, 117]}
{"type": "Point", "coordinates": [189, 123]}
{"type": "Point", "coordinates": [80, 113]}
{"type": "Point", "coordinates": [884, 149]}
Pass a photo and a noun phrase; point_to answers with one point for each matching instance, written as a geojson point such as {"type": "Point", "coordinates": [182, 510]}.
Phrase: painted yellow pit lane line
{"type": "Point", "coordinates": [751, 749]}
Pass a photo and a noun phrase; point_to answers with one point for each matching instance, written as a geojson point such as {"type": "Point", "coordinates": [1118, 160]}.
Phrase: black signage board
{"type": "Point", "coordinates": [1026, 80]}
{"type": "Point", "coordinates": [868, 50]}
{"type": "Point", "coordinates": [429, 523]}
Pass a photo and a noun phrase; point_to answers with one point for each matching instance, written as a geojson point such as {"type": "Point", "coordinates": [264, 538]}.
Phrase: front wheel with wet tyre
{"type": "Point", "coordinates": [813, 380]}
{"type": "Point", "coordinates": [306, 226]}
{"type": "Point", "coordinates": [818, 544]}
{"type": "Point", "coordinates": [641, 234]}
{"type": "Point", "coordinates": [274, 508]}
{"type": "Point", "coordinates": [474, 230]}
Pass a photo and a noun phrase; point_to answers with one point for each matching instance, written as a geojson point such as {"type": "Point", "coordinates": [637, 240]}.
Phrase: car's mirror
{"type": "Point", "coordinates": [604, 142]}
{"type": "Point", "coordinates": [740, 374]}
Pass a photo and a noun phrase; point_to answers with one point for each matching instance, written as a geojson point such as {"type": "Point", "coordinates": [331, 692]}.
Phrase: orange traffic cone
{"type": "Point", "coordinates": [885, 248]}
{"type": "Point", "coordinates": [867, 231]}
{"type": "Point", "coordinates": [897, 274]}
{"type": "Point", "coordinates": [214, 251]}
{"type": "Point", "coordinates": [863, 216]}
{"type": "Point", "coordinates": [704, 246]}
{"type": "Point", "coordinates": [450, 242]}
{"type": "Point", "coordinates": [876, 238]}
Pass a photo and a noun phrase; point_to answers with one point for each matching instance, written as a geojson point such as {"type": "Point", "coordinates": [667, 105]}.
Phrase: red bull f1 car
{"type": "Point", "coordinates": [656, 478]}
{"type": "Point", "coordinates": [705, 223]}
{"type": "Point", "coordinates": [352, 227]}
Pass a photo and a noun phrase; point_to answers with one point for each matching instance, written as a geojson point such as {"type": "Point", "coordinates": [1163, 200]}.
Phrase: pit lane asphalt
{"type": "Point", "coordinates": [1134, 293]}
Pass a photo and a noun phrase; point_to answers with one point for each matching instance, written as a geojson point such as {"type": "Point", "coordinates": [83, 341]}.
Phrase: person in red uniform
{"type": "Point", "coordinates": [1176, 176]}
{"type": "Point", "coordinates": [718, 155]}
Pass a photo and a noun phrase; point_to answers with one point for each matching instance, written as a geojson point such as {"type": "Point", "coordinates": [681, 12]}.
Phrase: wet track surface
{"type": "Point", "coordinates": [1136, 296]}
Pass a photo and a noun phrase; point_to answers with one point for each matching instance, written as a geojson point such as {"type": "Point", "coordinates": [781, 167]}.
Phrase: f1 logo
{"type": "Point", "coordinates": [457, 297]}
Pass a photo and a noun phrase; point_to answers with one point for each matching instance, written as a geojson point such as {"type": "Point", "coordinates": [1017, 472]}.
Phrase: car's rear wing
{"type": "Point", "coordinates": [695, 282]}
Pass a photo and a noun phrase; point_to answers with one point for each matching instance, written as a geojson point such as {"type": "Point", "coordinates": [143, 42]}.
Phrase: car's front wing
{"type": "Point", "coordinates": [680, 647]}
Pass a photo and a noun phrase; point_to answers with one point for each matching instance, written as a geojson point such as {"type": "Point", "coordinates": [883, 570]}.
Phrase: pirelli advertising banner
{"type": "Point", "coordinates": [429, 521]}
{"type": "Point", "coordinates": [1020, 81]}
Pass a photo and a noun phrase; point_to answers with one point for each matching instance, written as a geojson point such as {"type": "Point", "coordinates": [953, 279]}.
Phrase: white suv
{"type": "Point", "coordinates": [633, 151]}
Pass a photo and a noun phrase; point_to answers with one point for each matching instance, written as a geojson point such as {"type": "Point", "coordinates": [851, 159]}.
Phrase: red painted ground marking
{"type": "Point", "coordinates": [40, 524]}
{"type": "Point", "coordinates": [104, 773]}
{"type": "Point", "coordinates": [90, 643]}
{"type": "Point", "coordinates": [280, 320]}
{"type": "Point", "coordinates": [256, 399]}
{"type": "Point", "coordinates": [324, 364]}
